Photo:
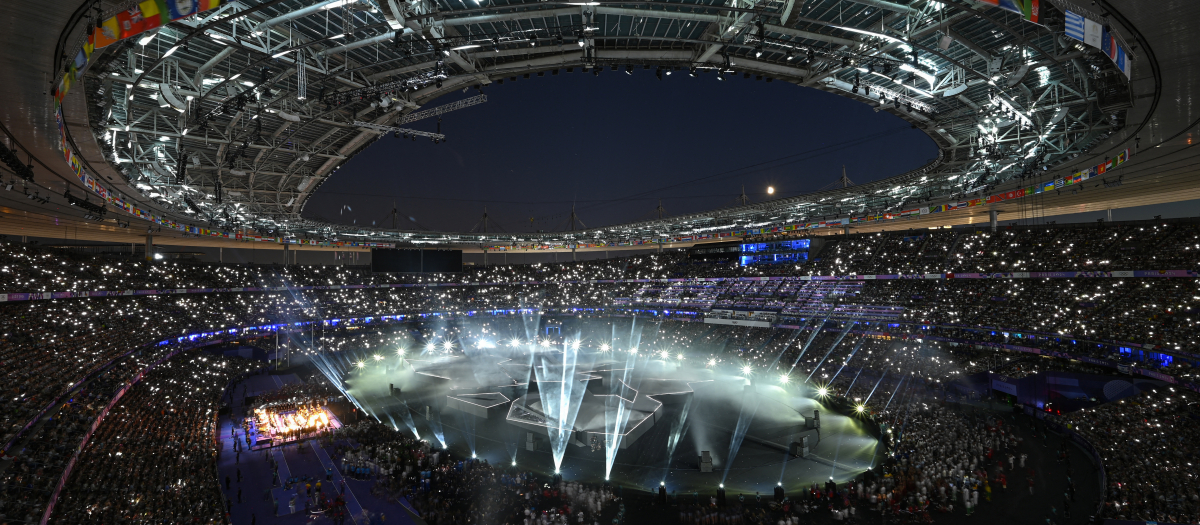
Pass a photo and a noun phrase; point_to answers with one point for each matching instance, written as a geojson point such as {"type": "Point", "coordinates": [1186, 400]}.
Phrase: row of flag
{"type": "Point", "coordinates": [1030, 10]}
{"type": "Point", "coordinates": [145, 16]}
{"type": "Point", "coordinates": [1070, 180]}
{"type": "Point", "coordinates": [1094, 34]}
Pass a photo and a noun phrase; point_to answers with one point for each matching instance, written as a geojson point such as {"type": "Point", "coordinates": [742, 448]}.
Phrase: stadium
{"type": "Point", "coordinates": [864, 261]}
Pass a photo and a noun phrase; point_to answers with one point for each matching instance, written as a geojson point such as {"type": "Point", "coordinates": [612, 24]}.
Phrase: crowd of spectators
{"type": "Point", "coordinates": [49, 346]}
{"type": "Point", "coordinates": [153, 458]}
{"type": "Point", "coordinates": [456, 491]}
{"type": "Point", "coordinates": [1151, 246]}
{"type": "Point", "coordinates": [1149, 454]}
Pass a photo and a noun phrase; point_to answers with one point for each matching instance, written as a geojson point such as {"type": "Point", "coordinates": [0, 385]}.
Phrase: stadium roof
{"type": "Point", "coordinates": [232, 118]}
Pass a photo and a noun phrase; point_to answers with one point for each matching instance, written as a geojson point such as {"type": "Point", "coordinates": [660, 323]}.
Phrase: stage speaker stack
{"type": "Point", "coordinates": [779, 494]}
{"type": "Point", "coordinates": [721, 497]}
{"type": "Point", "coordinates": [813, 423]}
{"type": "Point", "coordinates": [799, 449]}
{"type": "Point", "coordinates": [705, 461]}
{"type": "Point", "coordinates": [395, 392]}
{"type": "Point", "coordinates": [530, 444]}
{"type": "Point", "coordinates": [662, 495]}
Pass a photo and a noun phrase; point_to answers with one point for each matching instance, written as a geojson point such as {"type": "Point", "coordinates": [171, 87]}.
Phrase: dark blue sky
{"type": "Point", "coordinates": [614, 145]}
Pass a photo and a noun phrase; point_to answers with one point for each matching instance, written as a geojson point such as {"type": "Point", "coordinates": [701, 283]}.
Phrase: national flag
{"type": "Point", "coordinates": [1108, 45]}
{"type": "Point", "coordinates": [205, 5]}
{"type": "Point", "coordinates": [1075, 26]}
{"type": "Point", "coordinates": [1123, 62]}
{"type": "Point", "coordinates": [1028, 9]}
{"type": "Point", "coordinates": [155, 12]}
{"type": "Point", "coordinates": [181, 8]}
{"type": "Point", "coordinates": [108, 33]}
{"type": "Point", "coordinates": [1100, 169]}
{"type": "Point", "coordinates": [130, 22]}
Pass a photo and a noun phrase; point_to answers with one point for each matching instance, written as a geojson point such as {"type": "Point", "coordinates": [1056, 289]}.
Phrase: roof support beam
{"type": "Point", "coordinates": [295, 14]}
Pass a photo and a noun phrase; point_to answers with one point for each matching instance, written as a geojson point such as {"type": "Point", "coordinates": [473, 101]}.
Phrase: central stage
{"type": "Point", "coordinates": [652, 418]}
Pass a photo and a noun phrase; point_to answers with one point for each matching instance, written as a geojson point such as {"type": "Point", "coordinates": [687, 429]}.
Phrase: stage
{"type": "Point", "coordinates": [651, 418]}
{"type": "Point", "coordinates": [270, 428]}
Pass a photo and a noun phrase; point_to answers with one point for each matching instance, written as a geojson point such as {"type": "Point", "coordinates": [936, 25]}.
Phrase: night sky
{"type": "Point", "coordinates": [614, 145]}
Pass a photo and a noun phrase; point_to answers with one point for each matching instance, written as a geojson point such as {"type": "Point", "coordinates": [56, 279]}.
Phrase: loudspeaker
{"type": "Point", "coordinates": [706, 461]}
{"type": "Point", "coordinates": [799, 449]}
{"type": "Point", "coordinates": [720, 497]}
{"type": "Point", "coordinates": [779, 494]}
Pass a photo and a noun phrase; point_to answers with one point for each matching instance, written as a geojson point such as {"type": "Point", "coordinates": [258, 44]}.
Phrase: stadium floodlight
{"type": "Point", "coordinates": [770, 190]}
{"type": "Point", "coordinates": [822, 392]}
{"type": "Point", "coordinates": [784, 378]}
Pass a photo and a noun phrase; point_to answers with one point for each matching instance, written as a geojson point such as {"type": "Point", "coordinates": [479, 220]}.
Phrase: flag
{"type": "Point", "coordinates": [130, 22]}
{"type": "Point", "coordinates": [205, 5]}
{"type": "Point", "coordinates": [108, 33]}
{"type": "Point", "coordinates": [1108, 45]}
{"type": "Point", "coordinates": [1028, 9]}
{"type": "Point", "coordinates": [155, 12]}
{"type": "Point", "coordinates": [181, 8]}
{"type": "Point", "coordinates": [1123, 62]}
{"type": "Point", "coordinates": [1076, 26]}
{"type": "Point", "coordinates": [1092, 33]}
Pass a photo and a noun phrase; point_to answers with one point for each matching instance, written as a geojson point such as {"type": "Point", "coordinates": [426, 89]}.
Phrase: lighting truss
{"type": "Point", "coordinates": [402, 131]}
{"type": "Point", "coordinates": [443, 109]}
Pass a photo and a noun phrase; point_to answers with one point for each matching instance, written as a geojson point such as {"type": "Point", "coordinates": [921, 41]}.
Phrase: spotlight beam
{"type": "Point", "coordinates": [811, 337]}
{"type": "Point", "coordinates": [836, 342]}
{"type": "Point", "coordinates": [881, 376]}
{"type": "Point", "coordinates": [847, 361]}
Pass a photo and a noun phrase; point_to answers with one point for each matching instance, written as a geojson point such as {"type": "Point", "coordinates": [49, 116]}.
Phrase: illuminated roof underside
{"type": "Point", "coordinates": [1000, 96]}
